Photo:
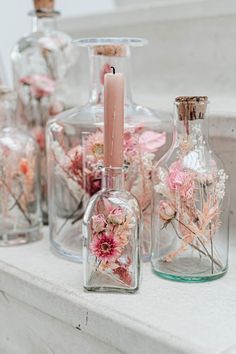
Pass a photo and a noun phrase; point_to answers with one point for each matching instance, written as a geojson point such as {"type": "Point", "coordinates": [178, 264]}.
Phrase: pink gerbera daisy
{"type": "Point", "coordinates": [105, 247]}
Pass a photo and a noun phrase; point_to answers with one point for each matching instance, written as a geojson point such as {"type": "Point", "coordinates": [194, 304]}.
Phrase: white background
{"type": "Point", "coordinates": [14, 21]}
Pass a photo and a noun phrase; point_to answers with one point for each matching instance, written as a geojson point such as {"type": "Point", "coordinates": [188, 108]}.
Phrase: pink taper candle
{"type": "Point", "coordinates": [113, 119]}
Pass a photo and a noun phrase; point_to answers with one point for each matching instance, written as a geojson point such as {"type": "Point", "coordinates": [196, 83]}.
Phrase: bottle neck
{"type": "Point", "coordinates": [188, 128]}
{"type": "Point", "coordinates": [113, 178]}
{"type": "Point", "coordinates": [99, 66]}
{"type": "Point", "coordinates": [7, 108]}
{"type": "Point", "coordinates": [44, 24]}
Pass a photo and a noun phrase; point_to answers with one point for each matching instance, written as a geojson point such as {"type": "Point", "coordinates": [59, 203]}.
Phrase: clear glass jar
{"type": "Point", "coordinates": [111, 229]}
{"type": "Point", "coordinates": [190, 214]}
{"type": "Point", "coordinates": [20, 214]}
{"type": "Point", "coordinates": [75, 150]}
{"type": "Point", "coordinates": [44, 64]}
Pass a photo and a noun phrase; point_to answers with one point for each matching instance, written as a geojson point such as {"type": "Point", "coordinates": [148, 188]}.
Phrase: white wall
{"type": "Point", "coordinates": [14, 21]}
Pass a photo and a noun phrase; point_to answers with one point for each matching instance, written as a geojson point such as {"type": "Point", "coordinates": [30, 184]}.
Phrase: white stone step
{"type": "Point", "coordinates": [44, 310]}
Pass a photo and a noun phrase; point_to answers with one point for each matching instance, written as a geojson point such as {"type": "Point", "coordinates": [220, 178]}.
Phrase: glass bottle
{"type": "Point", "coordinates": [75, 149]}
{"type": "Point", "coordinates": [44, 65]}
{"type": "Point", "coordinates": [20, 214]}
{"type": "Point", "coordinates": [190, 224]}
{"type": "Point", "coordinates": [111, 258]}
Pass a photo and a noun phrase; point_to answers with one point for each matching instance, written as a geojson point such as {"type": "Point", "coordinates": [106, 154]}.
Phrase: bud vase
{"type": "Point", "coordinates": [112, 229]}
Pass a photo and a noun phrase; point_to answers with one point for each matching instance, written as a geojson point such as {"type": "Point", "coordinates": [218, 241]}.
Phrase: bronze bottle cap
{"type": "Point", "coordinates": [191, 107]}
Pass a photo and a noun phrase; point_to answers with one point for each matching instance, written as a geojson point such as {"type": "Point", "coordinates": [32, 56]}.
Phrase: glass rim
{"type": "Point", "coordinates": [99, 41]}
{"type": "Point", "coordinates": [44, 13]}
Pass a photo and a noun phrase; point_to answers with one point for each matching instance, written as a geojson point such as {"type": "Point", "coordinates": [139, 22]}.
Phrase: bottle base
{"type": "Point", "coordinates": [67, 255]}
{"type": "Point", "coordinates": [110, 290]}
{"type": "Point", "coordinates": [23, 237]}
{"type": "Point", "coordinates": [189, 278]}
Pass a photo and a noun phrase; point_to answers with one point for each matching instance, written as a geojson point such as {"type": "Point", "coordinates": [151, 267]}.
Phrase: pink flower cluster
{"type": "Point", "coordinates": [40, 86]}
{"type": "Point", "coordinates": [110, 232]}
{"type": "Point", "coordinates": [180, 181]}
{"type": "Point", "coordinates": [106, 246]}
{"type": "Point", "coordinates": [140, 141]}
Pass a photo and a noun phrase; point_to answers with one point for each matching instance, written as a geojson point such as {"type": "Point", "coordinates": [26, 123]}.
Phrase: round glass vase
{"type": "Point", "coordinates": [190, 216]}
{"type": "Point", "coordinates": [75, 150]}
{"type": "Point", "coordinates": [44, 67]}
{"type": "Point", "coordinates": [20, 214]}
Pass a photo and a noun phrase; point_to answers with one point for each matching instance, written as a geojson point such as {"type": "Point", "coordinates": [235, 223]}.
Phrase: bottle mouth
{"type": "Point", "coordinates": [109, 41]}
{"type": "Point", "coordinates": [191, 107]}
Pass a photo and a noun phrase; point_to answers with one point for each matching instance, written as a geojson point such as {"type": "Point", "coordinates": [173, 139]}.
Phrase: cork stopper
{"type": "Point", "coordinates": [191, 107]}
{"type": "Point", "coordinates": [44, 5]}
{"type": "Point", "coordinates": [111, 50]}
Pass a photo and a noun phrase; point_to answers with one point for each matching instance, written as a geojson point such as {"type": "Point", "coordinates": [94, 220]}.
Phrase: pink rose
{"type": "Point", "coordinates": [167, 212]}
{"type": "Point", "coordinates": [98, 223]}
{"type": "Point", "coordinates": [40, 86]}
{"type": "Point", "coordinates": [150, 141]}
{"type": "Point", "coordinates": [180, 180]}
{"type": "Point", "coordinates": [116, 216]}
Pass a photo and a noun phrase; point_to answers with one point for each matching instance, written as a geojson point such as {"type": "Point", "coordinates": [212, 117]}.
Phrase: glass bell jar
{"type": "Point", "coordinates": [44, 68]}
{"type": "Point", "coordinates": [75, 149]}
{"type": "Point", "coordinates": [20, 213]}
{"type": "Point", "coordinates": [190, 217]}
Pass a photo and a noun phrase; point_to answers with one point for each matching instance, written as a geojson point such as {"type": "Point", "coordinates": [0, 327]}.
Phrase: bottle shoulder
{"type": "Point", "coordinates": [46, 40]}
{"type": "Point", "coordinates": [93, 115]}
{"type": "Point", "coordinates": [106, 201]}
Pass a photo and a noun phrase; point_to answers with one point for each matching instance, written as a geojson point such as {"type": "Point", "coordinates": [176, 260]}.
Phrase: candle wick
{"type": "Point", "coordinates": [113, 70]}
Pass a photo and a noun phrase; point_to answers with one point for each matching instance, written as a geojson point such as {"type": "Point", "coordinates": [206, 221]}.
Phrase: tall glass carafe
{"type": "Point", "coordinates": [44, 65]}
{"type": "Point", "coordinates": [190, 214]}
{"type": "Point", "coordinates": [75, 149]}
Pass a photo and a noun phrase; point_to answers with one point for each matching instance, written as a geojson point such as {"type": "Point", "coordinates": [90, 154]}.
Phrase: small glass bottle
{"type": "Point", "coordinates": [111, 231]}
{"type": "Point", "coordinates": [190, 225]}
{"type": "Point", "coordinates": [44, 64]}
{"type": "Point", "coordinates": [75, 149]}
{"type": "Point", "coordinates": [20, 214]}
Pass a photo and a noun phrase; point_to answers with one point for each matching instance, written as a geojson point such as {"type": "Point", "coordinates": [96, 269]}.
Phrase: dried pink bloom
{"type": "Point", "coordinates": [105, 70]}
{"type": "Point", "coordinates": [24, 166]}
{"type": "Point", "coordinates": [131, 148]}
{"type": "Point", "coordinates": [40, 86]}
{"type": "Point", "coordinates": [39, 135]}
{"type": "Point", "coordinates": [98, 223]}
{"type": "Point", "coordinates": [180, 181]}
{"type": "Point", "coordinates": [56, 108]}
{"type": "Point", "coordinates": [166, 210]}
{"type": "Point", "coordinates": [75, 166]}
{"type": "Point", "coordinates": [105, 247]}
{"type": "Point", "coordinates": [94, 145]}
{"type": "Point", "coordinates": [150, 141]}
{"type": "Point", "coordinates": [123, 273]}
{"type": "Point", "coordinates": [116, 216]}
